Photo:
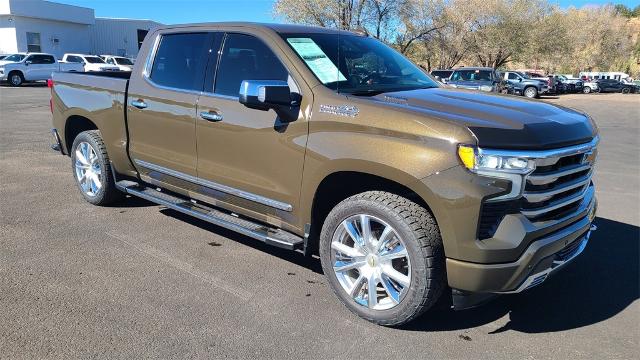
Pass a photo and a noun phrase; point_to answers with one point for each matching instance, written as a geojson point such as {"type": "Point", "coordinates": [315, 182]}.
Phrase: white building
{"type": "Point", "coordinates": [43, 26]}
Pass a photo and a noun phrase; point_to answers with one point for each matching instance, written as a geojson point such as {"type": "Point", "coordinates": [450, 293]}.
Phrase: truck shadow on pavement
{"type": "Point", "coordinates": [596, 286]}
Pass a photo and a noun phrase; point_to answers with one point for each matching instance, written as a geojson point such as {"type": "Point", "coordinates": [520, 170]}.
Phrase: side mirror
{"type": "Point", "coordinates": [519, 79]}
{"type": "Point", "coordinates": [28, 62]}
{"type": "Point", "coordinates": [270, 94]}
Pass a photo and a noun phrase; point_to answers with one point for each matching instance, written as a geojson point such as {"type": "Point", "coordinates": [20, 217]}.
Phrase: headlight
{"type": "Point", "coordinates": [476, 159]}
{"type": "Point", "coordinates": [486, 88]}
{"type": "Point", "coordinates": [497, 164]}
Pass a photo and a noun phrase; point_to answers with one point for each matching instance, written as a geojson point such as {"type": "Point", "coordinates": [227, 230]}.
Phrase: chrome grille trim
{"type": "Point", "coordinates": [538, 196]}
{"type": "Point", "coordinates": [563, 184]}
{"type": "Point", "coordinates": [556, 205]}
{"type": "Point", "coordinates": [553, 176]}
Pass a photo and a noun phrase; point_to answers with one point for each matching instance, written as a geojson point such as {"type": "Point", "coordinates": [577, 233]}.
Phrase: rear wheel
{"type": "Point", "coordinates": [92, 169]}
{"type": "Point", "coordinates": [16, 78]}
{"type": "Point", "coordinates": [531, 92]}
{"type": "Point", "coordinates": [626, 90]}
{"type": "Point", "coordinates": [586, 90]}
{"type": "Point", "coordinates": [383, 257]}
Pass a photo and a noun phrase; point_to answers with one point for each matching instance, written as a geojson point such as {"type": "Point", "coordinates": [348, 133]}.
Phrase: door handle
{"type": "Point", "coordinates": [140, 104]}
{"type": "Point", "coordinates": [211, 116]}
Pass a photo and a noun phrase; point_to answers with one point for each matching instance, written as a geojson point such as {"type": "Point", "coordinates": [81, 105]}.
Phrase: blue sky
{"type": "Point", "coordinates": [189, 11]}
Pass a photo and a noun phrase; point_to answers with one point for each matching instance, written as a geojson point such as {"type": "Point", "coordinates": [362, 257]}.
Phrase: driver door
{"type": "Point", "coordinates": [249, 160]}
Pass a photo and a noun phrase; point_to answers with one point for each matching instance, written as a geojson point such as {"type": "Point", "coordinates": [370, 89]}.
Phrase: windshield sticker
{"type": "Point", "coordinates": [316, 60]}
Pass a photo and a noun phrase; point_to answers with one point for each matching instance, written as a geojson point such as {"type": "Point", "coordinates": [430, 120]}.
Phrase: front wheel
{"type": "Point", "coordinates": [626, 90]}
{"type": "Point", "coordinates": [16, 78]}
{"type": "Point", "coordinates": [531, 92]}
{"type": "Point", "coordinates": [586, 90]}
{"type": "Point", "coordinates": [92, 169]}
{"type": "Point", "coordinates": [383, 257]}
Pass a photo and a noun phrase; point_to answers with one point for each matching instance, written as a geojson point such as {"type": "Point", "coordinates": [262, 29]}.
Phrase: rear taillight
{"type": "Point", "coordinates": [50, 86]}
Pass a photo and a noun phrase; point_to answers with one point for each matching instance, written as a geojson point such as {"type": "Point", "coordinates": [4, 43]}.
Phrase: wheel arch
{"type": "Point", "coordinates": [341, 183]}
{"type": "Point", "coordinates": [74, 125]}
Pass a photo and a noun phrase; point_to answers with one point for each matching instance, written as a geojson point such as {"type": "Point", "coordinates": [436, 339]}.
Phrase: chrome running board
{"type": "Point", "coordinates": [264, 233]}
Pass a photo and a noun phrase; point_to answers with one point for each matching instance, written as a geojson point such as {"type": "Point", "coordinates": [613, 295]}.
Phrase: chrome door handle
{"type": "Point", "coordinates": [210, 116]}
{"type": "Point", "coordinates": [139, 104]}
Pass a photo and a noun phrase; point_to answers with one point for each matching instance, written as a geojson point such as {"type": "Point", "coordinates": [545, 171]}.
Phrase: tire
{"type": "Point", "coordinates": [93, 175]}
{"type": "Point", "coordinates": [15, 78]}
{"type": "Point", "coordinates": [626, 90]}
{"type": "Point", "coordinates": [531, 92]}
{"type": "Point", "coordinates": [586, 90]}
{"type": "Point", "coordinates": [414, 230]}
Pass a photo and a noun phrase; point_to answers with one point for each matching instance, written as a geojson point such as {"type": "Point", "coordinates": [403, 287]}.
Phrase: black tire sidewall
{"type": "Point", "coordinates": [419, 264]}
{"type": "Point", "coordinates": [11, 74]}
{"type": "Point", "coordinates": [101, 196]}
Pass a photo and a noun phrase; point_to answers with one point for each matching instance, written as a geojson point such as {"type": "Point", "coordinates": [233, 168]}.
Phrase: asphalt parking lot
{"type": "Point", "coordinates": [137, 280]}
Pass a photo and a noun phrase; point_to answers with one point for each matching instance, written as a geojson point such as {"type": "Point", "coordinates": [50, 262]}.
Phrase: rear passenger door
{"type": "Point", "coordinates": [249, 159]}
{"type": "Point", "coordinates": [161, 109]}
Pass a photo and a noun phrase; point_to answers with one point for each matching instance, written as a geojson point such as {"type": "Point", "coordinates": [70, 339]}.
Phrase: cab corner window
{"type": "Point", "coordinates": [245, 57]}
{"type": "Point", "coordinates": [181, 60]}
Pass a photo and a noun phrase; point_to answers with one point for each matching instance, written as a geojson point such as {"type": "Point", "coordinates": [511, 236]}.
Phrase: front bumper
{"type": "Point", "coordinates": [542, 257]}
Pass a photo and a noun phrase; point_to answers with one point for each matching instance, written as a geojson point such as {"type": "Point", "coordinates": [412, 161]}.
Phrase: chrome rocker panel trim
{"type": "Point", "coordinates": [215, 186]}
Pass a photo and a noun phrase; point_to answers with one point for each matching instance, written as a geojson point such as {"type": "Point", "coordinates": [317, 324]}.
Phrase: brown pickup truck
{"type": "Point", "coordinates": [330, 142]}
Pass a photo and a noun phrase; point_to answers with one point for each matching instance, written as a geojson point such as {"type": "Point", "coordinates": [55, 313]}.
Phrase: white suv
{"type": "Point", "coordinates": [22, 67]}
{"type": "Point", "coordinates": [89, 62]}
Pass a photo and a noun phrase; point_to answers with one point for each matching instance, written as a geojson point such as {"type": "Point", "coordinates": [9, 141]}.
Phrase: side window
{"type": "Point", "coordinates": [245, 57]}
{"type": "Point", "coordinates": [513, 76]}
{"type": "Point", "coordinates": [74, 59]}
{"type": "Point", "coordinates": [41, 59]}
{"type": "Point", "coordinates": [181, 60]}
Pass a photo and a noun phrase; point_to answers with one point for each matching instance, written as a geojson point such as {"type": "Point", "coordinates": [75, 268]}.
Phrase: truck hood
{"type": "Point", "coordinates": [499, 121]}
{"type": "Point", "coordinates": [2, 62]}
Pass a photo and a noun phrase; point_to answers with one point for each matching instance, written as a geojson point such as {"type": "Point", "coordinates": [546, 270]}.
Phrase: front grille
{"type": "Point", "coordinates": [557, 185]}
{"type": "Point", "coordinates": [554, 190]}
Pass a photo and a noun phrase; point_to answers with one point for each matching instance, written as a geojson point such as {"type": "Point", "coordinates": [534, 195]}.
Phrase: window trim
{"type": "Point", "coordinates": [212, 93]}
{"type": "Point", "coordinates": [146, 71]}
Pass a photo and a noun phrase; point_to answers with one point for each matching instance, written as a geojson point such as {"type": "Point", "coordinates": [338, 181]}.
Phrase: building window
{"type": "Point", "coordinates": [33, 42]}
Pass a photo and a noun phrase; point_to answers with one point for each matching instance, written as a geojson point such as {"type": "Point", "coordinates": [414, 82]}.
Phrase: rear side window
{"type": "Point", "coordinates": [74, 59]}
{"type": "Point", "coordinates": [181, 60]}
{"type": "Point", "coordinates": [245, 57]}
{"type": "Point", "coordinates": [42, 59]}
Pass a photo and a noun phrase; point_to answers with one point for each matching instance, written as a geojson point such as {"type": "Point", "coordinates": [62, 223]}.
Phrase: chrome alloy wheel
{"type": "Point", "coordinates": [88, 169]}
{"type": "Point", "coordinates": [371, 262]}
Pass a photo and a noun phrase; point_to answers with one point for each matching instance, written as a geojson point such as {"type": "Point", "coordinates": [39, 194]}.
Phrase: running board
{"type": "Point", "coordinates": [264, 233]}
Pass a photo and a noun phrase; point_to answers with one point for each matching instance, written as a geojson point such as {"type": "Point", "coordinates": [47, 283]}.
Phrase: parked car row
{"type": "Point", "coordinates": [528, 84]}
{"type": "Point", "coordinates": [19, 68]}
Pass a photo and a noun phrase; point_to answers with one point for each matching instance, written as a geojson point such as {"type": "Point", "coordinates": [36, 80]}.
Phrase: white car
{"type": "Point", "coordinates": [590, 86]}
{"type": "Point", "coordinates": [124, 63]}
{"type": "Point", "coordinates": [89, 62]}
{"type": "Point", "coordinates": [22, 67]}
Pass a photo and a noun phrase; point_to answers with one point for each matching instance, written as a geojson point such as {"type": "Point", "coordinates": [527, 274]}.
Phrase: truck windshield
{"type": "Point", "coordinates": [94, 60]}
{"type": "Point", "coordinates": [471, 75]}
{"type": "Point", "coordinates": [356, 64]}
{"type": "Point", "coordinates": [14, 58]}
{"type": "Point", "coordinates": [123, 61]}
